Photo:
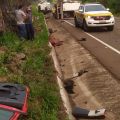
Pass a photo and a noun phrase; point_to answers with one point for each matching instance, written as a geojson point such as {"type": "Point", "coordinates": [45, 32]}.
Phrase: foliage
{"type": "Point", "coordinates": [37, 71]}
{"type": "Point", "coordinates": [10, 40]}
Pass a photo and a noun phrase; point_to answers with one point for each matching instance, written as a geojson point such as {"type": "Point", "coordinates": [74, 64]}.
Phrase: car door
{"type": "Point", "coordinates": [81, 15]}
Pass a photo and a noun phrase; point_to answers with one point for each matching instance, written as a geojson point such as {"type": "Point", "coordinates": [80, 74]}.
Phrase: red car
{"type": "Point", "coordinates": [13, 101]}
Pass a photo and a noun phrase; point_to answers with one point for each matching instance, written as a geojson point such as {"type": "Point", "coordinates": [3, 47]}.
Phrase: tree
{"type": "Point", "coordinates": [8, 8]}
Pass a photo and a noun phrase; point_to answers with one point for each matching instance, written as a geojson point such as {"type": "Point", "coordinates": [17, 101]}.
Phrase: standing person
{"type": "Point", "coordinates": [20, 17]}
{"type": "Point", "coordinates": [53, 11]}
{"type": "Point", "coordinates": [29, 25]}
{"type": "Point", "coordinates": [2, 27]}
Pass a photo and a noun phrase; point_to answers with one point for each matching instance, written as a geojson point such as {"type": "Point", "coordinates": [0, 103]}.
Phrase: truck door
{"type": "Point", "coordinates": [81, 15]}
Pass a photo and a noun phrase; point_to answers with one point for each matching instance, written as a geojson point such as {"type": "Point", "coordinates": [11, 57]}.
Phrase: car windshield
{"type": "Point", "coordinates": [94, 8]}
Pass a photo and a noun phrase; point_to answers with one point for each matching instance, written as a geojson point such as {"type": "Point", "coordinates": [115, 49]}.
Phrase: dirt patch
{"type": "Point", "coordinates": [94, 89]}
{"type": "Point", "coordinates": [15, 62]}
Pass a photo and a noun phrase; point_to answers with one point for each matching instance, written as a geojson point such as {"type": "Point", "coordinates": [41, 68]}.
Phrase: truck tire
{"type": "Point", "coordinates": [76, 22]}
{"type": "Point", "coordinates": [110, 28]}
{"type": "Point", "coordinates": [85, 27]}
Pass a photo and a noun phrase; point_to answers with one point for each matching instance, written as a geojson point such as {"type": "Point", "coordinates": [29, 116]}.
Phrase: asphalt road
{"type": "Point", "coordinates": [104, 45]}
{"type": "Point", "coordinates": [95, 88]}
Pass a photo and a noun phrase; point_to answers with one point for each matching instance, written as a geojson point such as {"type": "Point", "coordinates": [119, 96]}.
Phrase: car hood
{"type": "Point", "coordinates": [98, 13]}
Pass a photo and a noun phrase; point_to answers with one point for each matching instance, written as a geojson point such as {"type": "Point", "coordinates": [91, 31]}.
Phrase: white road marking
{"type": "Point", "coordinates": [110, 47]}
{"type": "Point", "coordinates": [69, 23]}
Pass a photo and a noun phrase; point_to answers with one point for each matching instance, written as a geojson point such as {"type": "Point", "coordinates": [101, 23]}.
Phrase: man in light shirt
{"type": "Point", "coordinates": [20, 17]}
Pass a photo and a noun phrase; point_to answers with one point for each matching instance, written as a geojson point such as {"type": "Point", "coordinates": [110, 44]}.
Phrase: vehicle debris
{"type": "Point", "coordinates": [54, 41]}
{"type": "Point", "coordinates": [82, 39]}
{"type": "Point", "coordinates": [81, 72]}
{"type": "Point", "coordinates": [84, 113]}
{"type": "Point", "coordinates": [68, 85]}
{"type": "Point", "coordinates": [62, 65]}
{"type": "Point", "coordinates": [13, 100]}
{"type": "Point", "coordinates": [51, 30]}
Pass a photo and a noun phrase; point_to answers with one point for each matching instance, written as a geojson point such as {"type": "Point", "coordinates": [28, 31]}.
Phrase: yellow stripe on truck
{"type": "Point", "coordinates": [101, 14]}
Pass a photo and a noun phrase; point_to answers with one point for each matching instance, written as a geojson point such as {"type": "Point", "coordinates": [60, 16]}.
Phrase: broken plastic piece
{"type": "Point", "coordinates": [82, 39]}
{"type": "Point", "coordinates": [13, 101]}
{"type": "Point", "coordinates": [99, 112]}
{"type": "Point", "coordinates": [80, 112]}
{"type": "Point", "coordinates": [81, 72]}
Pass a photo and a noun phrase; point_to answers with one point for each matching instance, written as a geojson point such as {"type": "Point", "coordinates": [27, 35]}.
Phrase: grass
{"type": "Point", "coordinates": [36, 71]}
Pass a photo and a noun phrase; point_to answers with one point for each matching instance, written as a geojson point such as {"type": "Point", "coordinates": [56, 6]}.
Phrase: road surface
{"type": "Point", "coordinates": [104, 45]}
{"type": "Point", "coordinates": [96, 88]}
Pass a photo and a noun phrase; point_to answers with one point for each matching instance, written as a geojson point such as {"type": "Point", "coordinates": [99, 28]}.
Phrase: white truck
{"type": "Point", "coordinates": [69, 7]}
{"type": "Point", "coordinates": [44, 7]}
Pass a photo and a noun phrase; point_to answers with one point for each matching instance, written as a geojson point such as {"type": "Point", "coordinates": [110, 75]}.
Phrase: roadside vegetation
{"type": "Point", "coordinates": [29, 63]}
{"type": "Point", "coordinates": [114, 5]}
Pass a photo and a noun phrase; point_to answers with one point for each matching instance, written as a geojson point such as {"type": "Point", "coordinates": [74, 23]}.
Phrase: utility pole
{"type": "Point", "coordinates": [61, 8]}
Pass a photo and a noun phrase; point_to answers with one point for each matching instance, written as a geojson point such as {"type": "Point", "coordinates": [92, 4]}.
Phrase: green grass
{"type": "Point", "coordinates": [11, 41]}
{"type": "Point", "coordinates": [37, 71]}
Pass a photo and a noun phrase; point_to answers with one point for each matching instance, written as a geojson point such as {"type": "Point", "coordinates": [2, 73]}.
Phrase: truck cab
{"type": "Point", "coordinates": [69, 7]}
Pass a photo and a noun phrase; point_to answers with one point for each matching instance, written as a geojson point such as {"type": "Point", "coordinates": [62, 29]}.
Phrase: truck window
{"type": "Point", "coordinates": [81, 8]}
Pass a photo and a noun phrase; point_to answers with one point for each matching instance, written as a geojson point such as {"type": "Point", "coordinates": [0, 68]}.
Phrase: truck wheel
{"type": "Point", "coordinates": [110, 28]}
{"type": "Point", "coordinates": [76, 22]}
{"type": "Point", "coordinates": [85, 27]}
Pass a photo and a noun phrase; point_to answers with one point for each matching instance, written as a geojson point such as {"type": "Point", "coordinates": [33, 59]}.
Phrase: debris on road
{"type": "Point", "coordinates": [84, 113]}
{"type": "Point", "coordinates": [81, 72]}
{"type": "Point", "coordinates": [54, 41]}
{"type": "Point", "coordinates": [82, 39]}
{"type": "Point", "coordinates": [51, 30]}
{"type": "Point", "coordinates": [68, 85]}
{"type": "Point", "coordinates": [78, 74]}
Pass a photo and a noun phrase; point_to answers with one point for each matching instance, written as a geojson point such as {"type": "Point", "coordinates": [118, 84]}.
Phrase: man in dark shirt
{"type": "Point", "coordinates": [29, 25]}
